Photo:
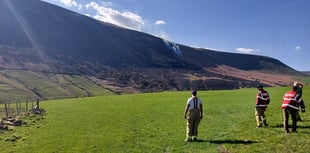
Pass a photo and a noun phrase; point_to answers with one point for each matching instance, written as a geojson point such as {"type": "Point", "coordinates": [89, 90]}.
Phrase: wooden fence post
{"type": "Point", "coordinates": [17, 111]}
{"type": "Point", "coordinates": [6, 110]}
{"type": "Point", "coordinates": [27, 105]}
{"type": "Point", "coordinates": [31, 103]}
{"type": "Point", "coordinates": [20, 105]}
{"type": "Point", "coordinates": [9, 108]}
{"type": "Point", "coordinates": [38, 106]}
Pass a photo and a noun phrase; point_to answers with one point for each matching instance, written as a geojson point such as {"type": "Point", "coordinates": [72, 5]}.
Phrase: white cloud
{"type": "Point", "coordinates": [80, 6]}
{"type": "Point", "coordinates": [160, 22]}
{"type": "Point", "coordinates": [163, 35]}
{"type": "Point", "coordinates": [87, 15]}
{"type": "Point", "coordinates": [121, 18]}
{"type": "Point", "coordinates": [69, 3]}
{"type": "Point", "coordinates": [105, 12]}
{"type": "Point", "coordinates": [297, 48]}
{"type": "Point", "coordinates": [246, 50]}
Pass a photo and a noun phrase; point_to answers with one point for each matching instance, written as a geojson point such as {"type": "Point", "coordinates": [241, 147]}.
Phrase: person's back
{"type": "Point", "coordinates": [290, 105]}
{"type": "Point", "coordinates": [262, 98]}
{"type": "Point", "coordinates": [194, 107]}
{"type": "Point", "coordinates": [262, 102]}
{"type": "Point", "coordinates": [290, 99]}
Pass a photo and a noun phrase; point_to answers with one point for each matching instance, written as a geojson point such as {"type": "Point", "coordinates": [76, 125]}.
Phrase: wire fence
{"type": "Point", "coordinates": [16, 108]}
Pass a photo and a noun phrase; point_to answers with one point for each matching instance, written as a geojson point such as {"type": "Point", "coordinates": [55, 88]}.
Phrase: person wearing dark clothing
{"type": "Point", "coordinates": [262, 102]}
{"type": "Point", "coordinates": [299, 91]}
{"type": "Point", "coordinates": [292, 100]}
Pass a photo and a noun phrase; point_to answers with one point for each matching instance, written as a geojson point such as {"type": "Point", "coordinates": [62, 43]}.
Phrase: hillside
{"type": "Point", "coordinates": [28, 85]}
{"type": "Point", "coordinates": [42, 38]}
{"type": "Point", "coordinates": [306, 72]}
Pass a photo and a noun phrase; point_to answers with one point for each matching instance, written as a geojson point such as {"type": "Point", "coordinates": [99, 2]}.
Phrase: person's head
{"type": "Point", "coordinates": [260, 87]}
{"type": "Point", "coordinates": [194, 92]}
{"type": "Point", "coordinates": [295, 83]}
{"type": "Point", "coordinates": [296, 86]}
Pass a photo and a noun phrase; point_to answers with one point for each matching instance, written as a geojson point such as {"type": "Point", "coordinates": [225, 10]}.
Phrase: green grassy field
{"type": "Point", "coordinates": [154, 123]}
{"type": "Point", "coordinates": [24, 85]}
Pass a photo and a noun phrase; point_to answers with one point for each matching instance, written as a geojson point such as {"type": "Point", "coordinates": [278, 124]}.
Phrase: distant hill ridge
{"type": "Point", "coordinates": [41, 37]}
{"type": "Point", "coordinates": [306, 72]}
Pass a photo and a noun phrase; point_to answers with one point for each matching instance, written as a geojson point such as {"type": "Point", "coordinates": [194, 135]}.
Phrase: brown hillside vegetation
{"type": "Point", "coordinates": [265, 77]}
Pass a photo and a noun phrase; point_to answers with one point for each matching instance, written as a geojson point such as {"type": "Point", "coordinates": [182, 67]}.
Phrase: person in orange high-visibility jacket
{"type": "Point", "coordinates": [290, 105]}
{"type": "Point", "coordinates": [262, 101]}
{"type": "Point", "coordinates": [194, 107]}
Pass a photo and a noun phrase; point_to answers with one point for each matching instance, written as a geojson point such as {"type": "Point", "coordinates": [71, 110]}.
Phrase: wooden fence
{"type": "Point", "coordinates": [15, 108]}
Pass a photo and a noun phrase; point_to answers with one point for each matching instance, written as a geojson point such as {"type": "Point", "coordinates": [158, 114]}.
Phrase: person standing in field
{"type": "Point", "coordinates": [262, 101]}
{"type": "Point", "coordinates": [194, 107]}
{"type": "Point", "coordinates": [290, 105]}
{"type": "Point", "coordinates": [299, 91]}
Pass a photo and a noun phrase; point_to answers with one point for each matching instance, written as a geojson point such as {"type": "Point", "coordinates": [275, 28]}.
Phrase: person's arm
{"type": "Point", "coordinates": [257, 100]}
{"type": "Point", "coordinates": [303, 107]}
{"type": "Point", "coordinates": [268, 100]}
{"type": "Point", "coordinates": [186, 110]}
{"type": "Point", "coordinates": [301, 103]}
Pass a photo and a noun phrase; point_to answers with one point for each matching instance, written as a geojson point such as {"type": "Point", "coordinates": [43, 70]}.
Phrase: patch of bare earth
{"type": "Point", "coordinates": [268, 78]}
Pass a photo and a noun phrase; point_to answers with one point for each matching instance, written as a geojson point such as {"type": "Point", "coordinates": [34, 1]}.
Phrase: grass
{"type": "Point", "coordinates": [10, 89]}
{"type": "Point", "coordinates": [304, 79]}
{"type": "Point", "coordinates": [22, 84]}
{"type": "Point", "coordinates": [154, 123]}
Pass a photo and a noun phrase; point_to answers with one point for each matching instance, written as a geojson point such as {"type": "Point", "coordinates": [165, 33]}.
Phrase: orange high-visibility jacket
{"type": "Point", "coordinates": [293, 100]}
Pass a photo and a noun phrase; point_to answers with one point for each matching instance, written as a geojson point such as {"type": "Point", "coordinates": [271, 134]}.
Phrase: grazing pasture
{"type": "Point", "coordinates": [153, 122]}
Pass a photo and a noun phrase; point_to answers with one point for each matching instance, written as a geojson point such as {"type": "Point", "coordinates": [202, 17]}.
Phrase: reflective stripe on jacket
{"type": "Point", "coordinates": [291, 99]}
{"type": "Point", "coordinates": [262, 98]}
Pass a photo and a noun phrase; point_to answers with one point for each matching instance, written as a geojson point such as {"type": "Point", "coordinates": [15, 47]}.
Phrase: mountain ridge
{"type": "Point", "coordinates": [41, 37]}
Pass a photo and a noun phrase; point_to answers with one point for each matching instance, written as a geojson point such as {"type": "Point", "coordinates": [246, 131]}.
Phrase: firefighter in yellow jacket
{"type": "Point", "coordinates": [194, 107]}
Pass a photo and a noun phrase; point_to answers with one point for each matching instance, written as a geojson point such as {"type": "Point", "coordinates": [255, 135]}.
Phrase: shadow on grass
{"type": "Point", "coordinates": [246, 142]}
{"type": "Point", "coordinates": [290, 126]}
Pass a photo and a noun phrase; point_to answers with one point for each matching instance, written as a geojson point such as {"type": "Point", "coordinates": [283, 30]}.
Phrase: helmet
{"type": "Point", "coordinates": [295, 84]}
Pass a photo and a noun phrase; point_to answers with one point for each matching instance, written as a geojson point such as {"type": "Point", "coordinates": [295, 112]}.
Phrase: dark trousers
{"type": "Point", "coordinates": [286, 113]}
{"type": "Point", "coordinates": [298, 116]}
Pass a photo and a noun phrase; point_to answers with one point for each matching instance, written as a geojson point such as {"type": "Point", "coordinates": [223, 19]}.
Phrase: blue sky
{"type": "Point", "coordinates": [274, 28]}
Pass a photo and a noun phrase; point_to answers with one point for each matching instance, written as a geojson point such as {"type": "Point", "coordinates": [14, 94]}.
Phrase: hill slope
{"type": "Point", "coordinates": [41, 37]}
{"type": "Point", "coordinates": [28, 85]}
